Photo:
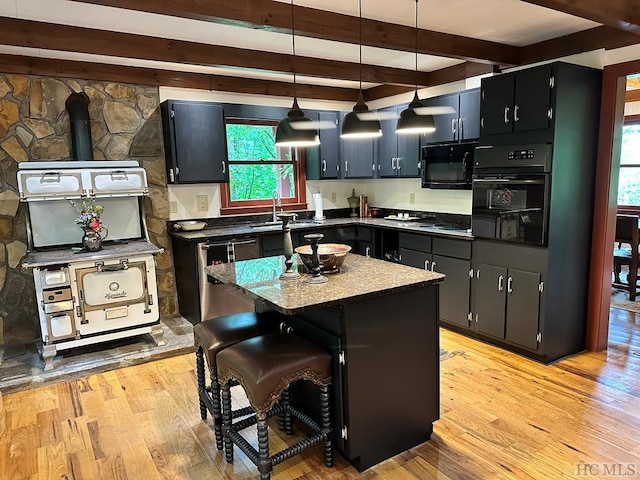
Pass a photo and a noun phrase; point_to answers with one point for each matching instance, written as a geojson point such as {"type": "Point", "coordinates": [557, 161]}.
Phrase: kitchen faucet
{"type": "Point", "coordinates": [276, 203]}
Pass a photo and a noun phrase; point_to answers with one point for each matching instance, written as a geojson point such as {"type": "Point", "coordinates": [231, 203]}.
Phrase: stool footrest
{"type": "Point", "coordinates": [295, 449]}
{"type": "Point", "coordinates": [253, 419]}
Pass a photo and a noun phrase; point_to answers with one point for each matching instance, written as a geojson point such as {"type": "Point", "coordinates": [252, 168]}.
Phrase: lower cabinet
{"type": "Point", "coordinates": [508, 293]}
{"type": "Point", "coordinates": [273, 243]}
{"type": "Point", "coordinates": [366, 242]}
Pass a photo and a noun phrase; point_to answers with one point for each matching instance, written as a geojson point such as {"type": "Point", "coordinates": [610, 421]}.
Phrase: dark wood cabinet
{"type": "Point", "coordinates": [366, 242]}
{"type": "Point", "coordinates": [517, 102]}
{"type": "Point", "coordinates": [358, 156]}
{"type": "Point", "coordinates": [398, 155]}
{"type": "Point", "coordinates": [323, 161]}
{"type": "Point", "coordinates": [463, 124]}
{"type": "Point", "coordinates": [453, 258]}
{"type": "Point", "coordinates": [194, 141]}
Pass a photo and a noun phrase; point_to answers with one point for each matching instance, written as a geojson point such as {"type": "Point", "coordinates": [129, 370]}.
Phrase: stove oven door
{"type": "Point", "coordinates": [116, 295]}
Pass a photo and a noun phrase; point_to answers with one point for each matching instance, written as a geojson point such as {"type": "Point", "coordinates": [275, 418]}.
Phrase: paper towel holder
{"type": "Point", "coordinates": [316, 217]}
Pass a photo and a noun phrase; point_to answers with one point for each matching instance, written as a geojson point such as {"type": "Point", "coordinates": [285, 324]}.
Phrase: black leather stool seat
{"type": "Point", "coordinates": [265, 366]}
{"type": "Point", "coordinates": [211, 337]}
{"type": "Point", "coordinates": [215, 334]}
{"type": "Point", "coordinates": [268, 364]}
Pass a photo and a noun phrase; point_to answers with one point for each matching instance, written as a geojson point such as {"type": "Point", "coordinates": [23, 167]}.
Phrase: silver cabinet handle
{"type": "Point", "coordinates": [324, 165]}
{"type": "Point", "coordinates": [367, 252]}
{"type": "Point", "coordinates": [500, 286]}
{"type": "Point", "coordinates": [453, 125]}
{"type": "Point", "coordinates": [515, 113]}
{"type": "Point", "coordinates": [433, 266]}
{"type": "Point", "coordinates": [393, 163]}
{"type": "Point", "coordinates": [506, 114]}
{"type": "Point", "coordinates": [482, 122]}
{"type": "Point", "coordinates": [346, 165]}
{"type": "Point", "coordinates": [426, 264]}
{"type": "Point", "coordinates": [460, 126]}
{"type": "Point", "coordinates": [171, 177]}
{"type": "Point", "coordinates": [398, 162]}
{"type": "Point", "coordinates": [224, 167]}
{"type": "Point", "coordinates": [510, 285]}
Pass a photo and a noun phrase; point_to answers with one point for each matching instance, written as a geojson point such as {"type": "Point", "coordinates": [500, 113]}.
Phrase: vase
{"type": "Point", "coordinates": [91, 240]}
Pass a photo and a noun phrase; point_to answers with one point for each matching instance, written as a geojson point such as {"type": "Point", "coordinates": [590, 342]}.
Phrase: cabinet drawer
{"type": "Point", "coordinates": [415, 258]}
{"type": "Point", "coordinates": [365, 234]}
{"type": "Point", "coordinates": [272, 242]}
{"type": "Point", "coordinates": [452, 248]}
{"type": "Point", "coordinates": [411, 241]}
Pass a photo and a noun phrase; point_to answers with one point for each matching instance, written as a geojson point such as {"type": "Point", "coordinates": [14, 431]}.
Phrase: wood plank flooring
{"type": "Point", "coordinates": [502, 417]}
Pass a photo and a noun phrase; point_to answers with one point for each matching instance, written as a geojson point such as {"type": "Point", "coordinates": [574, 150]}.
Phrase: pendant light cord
{"type": "Point", "coordinates": [416, 60]}
{"type": "Point", "coordinates": [360, 40]}
{"type": "Point", "coordinates": [293, 44]}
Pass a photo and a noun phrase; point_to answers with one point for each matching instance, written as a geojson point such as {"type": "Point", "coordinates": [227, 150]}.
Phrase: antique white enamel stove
{"type": "Point", "coordinates": [89, 297]}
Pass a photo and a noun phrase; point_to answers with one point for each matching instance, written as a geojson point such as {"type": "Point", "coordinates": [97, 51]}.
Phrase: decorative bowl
{"type": "Point", "coordinates": [189, 225]}
{"type": "Point", "coordinates": [331, 256]}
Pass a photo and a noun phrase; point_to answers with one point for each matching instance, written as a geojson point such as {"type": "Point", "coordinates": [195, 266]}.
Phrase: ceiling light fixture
{"type": "Point", "coordinates": [296, 130]}
{"type": "Point", "coordinates": [355, 124]}
{"type": "Point", "coordinates": [411, 121]}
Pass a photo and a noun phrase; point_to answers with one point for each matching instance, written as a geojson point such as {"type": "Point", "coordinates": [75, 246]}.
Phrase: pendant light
{"type": "Point", "coordinates": [357, 124]}
{"type": "Point", "coordinates": [411, 121]}
{"type": "Point", "coordinates": [296, 130]}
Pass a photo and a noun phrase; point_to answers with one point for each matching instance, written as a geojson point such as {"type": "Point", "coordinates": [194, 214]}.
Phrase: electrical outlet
{"type": "Point", "coordinates": [412, 198]}
{"type": "Point", "coordinates": [334, 197]}
{"type": "Point", "coordinates": [173, 207]}
{"type": "Point", "coordinates": [202, 203]}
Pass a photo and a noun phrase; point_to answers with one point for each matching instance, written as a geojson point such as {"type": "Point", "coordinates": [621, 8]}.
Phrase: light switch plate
{"type": "Point", "coordinates": [173, 207]}
{"type": "Point", "coordinates": [202, 203]}
{"type": "Point", "coordinates": [412, 198]}
{"type": "Point", "coordinates": [333, 197]}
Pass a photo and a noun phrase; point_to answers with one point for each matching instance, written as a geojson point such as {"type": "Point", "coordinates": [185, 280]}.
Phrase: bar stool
{"type": "Point", "coordinates": [265, 366]}
{"type": "Point", "coordinates": [210, 337]}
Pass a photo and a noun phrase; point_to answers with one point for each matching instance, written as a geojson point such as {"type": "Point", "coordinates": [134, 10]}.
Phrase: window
{"type": "Point", "coordinates": [629, 178]}
{"type": "Point", "coordinates": [258, 170]}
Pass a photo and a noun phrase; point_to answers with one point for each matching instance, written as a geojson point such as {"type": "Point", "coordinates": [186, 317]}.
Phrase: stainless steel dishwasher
{"type": "Point", "coordinates": [216, 298]}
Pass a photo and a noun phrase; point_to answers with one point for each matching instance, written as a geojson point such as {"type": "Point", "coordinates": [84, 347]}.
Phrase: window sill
{"type": "Point", "coordinates": [262, 209]}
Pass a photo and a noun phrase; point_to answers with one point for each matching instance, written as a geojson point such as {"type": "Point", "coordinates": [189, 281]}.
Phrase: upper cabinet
{"type": "Point", "coordinates": [358, 156]}
{"type": "Point", "coordinates": [194, 142]}
{"type": "Point", "coordinates": [398, 155]}
{"type": "Point", "coordinates": [462, 124]}
{"type": "Point", "coordinates": [517, 102]}
{"type": "Point", "coordinates": [323, 161]}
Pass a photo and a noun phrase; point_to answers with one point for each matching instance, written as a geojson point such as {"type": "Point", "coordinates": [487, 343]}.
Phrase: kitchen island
{"type": "Point", "coordinates": [379, 320]}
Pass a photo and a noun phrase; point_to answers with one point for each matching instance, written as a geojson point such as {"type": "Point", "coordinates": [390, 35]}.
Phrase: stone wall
{"type": "Point", "coordinates": [34, 126]}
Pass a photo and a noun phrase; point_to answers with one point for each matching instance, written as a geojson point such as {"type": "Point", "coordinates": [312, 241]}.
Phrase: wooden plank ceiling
{"type": "Point", "coordinates": [619, 27]}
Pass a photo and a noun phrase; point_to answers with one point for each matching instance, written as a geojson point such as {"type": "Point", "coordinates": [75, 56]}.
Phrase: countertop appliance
{"type": "Point", "coordinates": [448, 165]}
{"type": "Point", "coordinates": [511, 193]}
{"type": "Point", "coordinates": [89, 297]}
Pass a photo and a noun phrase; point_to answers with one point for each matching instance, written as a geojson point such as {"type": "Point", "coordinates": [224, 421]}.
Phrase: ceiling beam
{"type": "Point", "coordinates": [579, 42]}
{"type": "Point", "coordinates": [311, 22]}
{"type": "Point", "coordinates": [49, 36]}
{"type": "Point", "coordinates": [621, 14]}
{"type": "Point", "coordinates": [23, 65]}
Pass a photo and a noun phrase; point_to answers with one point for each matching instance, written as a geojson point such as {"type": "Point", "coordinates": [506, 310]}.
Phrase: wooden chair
{"type": "Point", "coordinates": [627, 233]}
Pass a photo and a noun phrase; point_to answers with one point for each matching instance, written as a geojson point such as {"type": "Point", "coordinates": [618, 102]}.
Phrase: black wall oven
{"type": "Point", "coordinates": [511, 193]}
{"type": "Point", "coordinates": [448, 166]}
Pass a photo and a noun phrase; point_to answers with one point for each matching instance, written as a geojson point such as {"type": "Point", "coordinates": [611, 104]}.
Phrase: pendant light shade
{"type": "Point", "coordinates": [411, 121]}
{"type": "Point", "coordinates": [355, 124]}
{"type": "Point", "coordinates": [296, 130]}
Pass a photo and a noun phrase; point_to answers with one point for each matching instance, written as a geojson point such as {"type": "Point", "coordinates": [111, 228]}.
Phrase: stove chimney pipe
{"type": "Point", "coordinates": [78, 107]}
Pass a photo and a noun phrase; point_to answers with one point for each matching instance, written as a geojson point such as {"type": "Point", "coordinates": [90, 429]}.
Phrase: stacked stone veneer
{"type": "Point", "coordinates": [34, 126]}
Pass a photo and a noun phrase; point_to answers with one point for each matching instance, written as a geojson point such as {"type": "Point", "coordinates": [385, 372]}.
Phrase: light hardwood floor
{"type": "Point", "coordinates": [502, 417]}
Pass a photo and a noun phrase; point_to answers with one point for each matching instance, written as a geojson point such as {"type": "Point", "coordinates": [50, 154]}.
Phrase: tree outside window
{"type": "Point", "coordinates": [258, 170]}
{"type": "Point", "coordinates": [629, 178]}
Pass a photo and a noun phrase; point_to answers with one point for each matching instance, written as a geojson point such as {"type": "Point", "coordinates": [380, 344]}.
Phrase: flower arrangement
{"type": "Point", "coordinates": [89, 217]}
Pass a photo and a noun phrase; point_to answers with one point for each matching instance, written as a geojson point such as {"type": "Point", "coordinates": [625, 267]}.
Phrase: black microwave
{"type": "Point", "coordinates": [448, 166]}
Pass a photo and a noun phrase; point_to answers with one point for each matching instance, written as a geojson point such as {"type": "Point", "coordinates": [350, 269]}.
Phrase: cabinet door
{"type": "Point", "coordinates": [489, 299]}
{"type": "Point", "coordinates": [532, 99]}
{"type": "Point", "coordinates": [447, 124]}
{"type": "Point", "coordinates": [358, 156]}
{"type": "Point", "coordinates": [329, 145]}
{"type": "Point", "coordinates": [200, 142]}
{"type": "Point", "coordinates": [408, 158]}
{"type": "Point", "coordinates": [469, 119]}
{"type": "Point", "coordinates": [454, 290]}
{"type": "Point", "coordinates": [523, 307]}
{"type": "Point", "coordinates": [388, 143]}
{"type": "Point", "coordinates": [496, 104]}
{"type": "Point", "coordinates": [415, 258]}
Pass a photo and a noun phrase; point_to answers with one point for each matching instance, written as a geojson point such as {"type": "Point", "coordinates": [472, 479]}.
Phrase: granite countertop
{"type": "Point", "coordinates": [109, 250]}
{"type": "Point", "coordinates": [248, 229]}
{"type": "Point", "coordinates": [359, 277]}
